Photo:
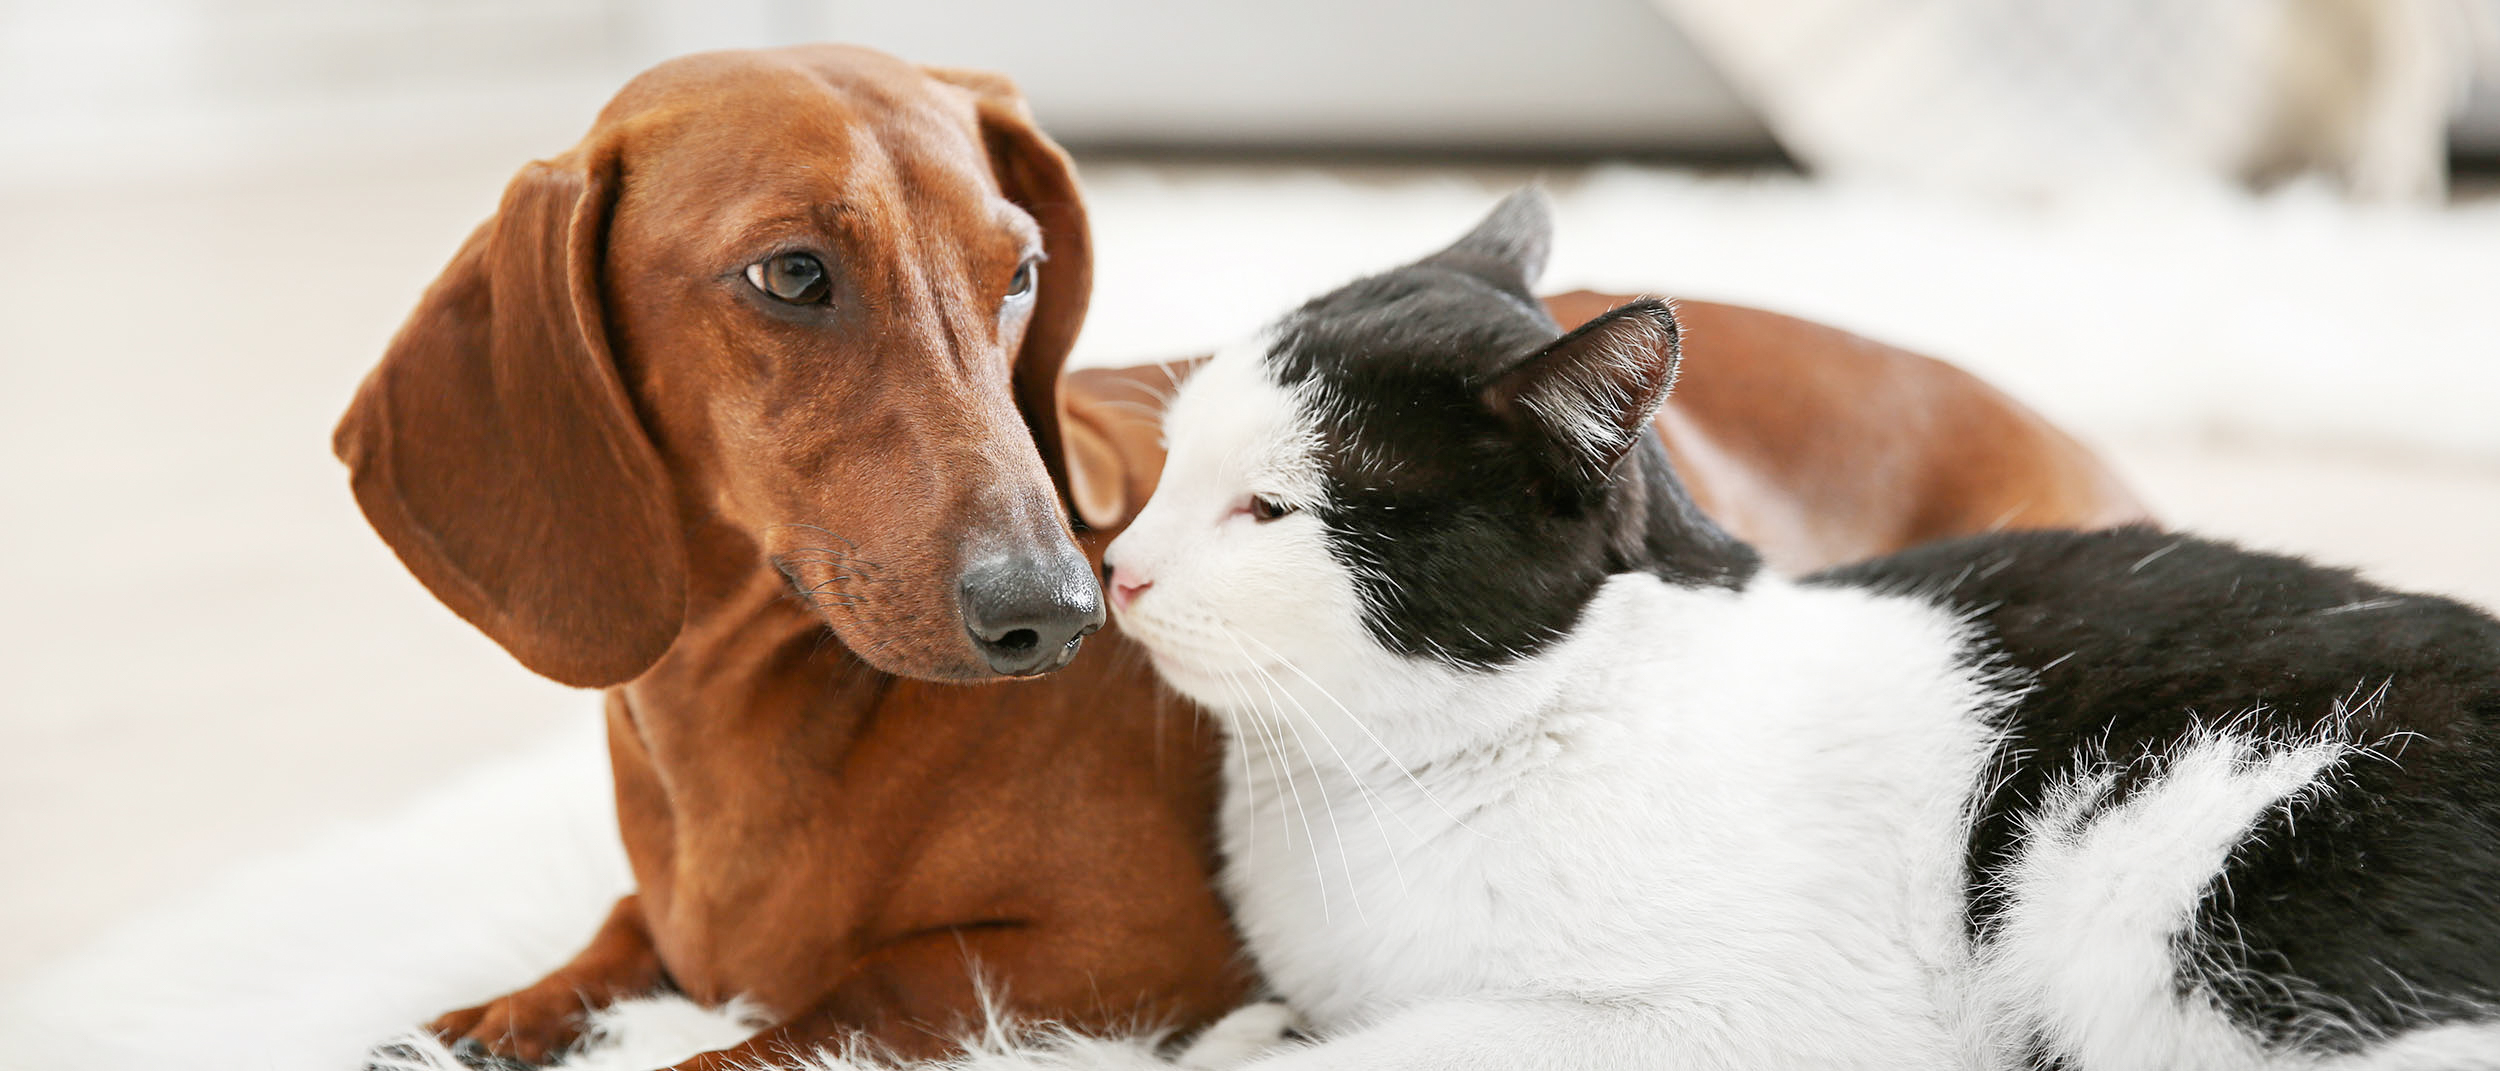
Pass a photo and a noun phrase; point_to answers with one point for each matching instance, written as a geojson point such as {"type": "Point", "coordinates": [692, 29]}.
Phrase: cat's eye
{"type": "Point", "coordinates": [792, 278]}
{"type": "Point", "coordinates": [1264, 509]}
{"type": "Point", "coordinates": [1027, 274]}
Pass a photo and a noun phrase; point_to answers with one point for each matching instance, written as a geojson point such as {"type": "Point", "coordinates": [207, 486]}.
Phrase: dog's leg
{"type": "Point", "coordinates": [533, 1025]}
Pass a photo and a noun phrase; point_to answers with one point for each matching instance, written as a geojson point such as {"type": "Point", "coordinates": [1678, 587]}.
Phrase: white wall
{"type": "Point", "coordinates": [117, 91]}
{"type": "Point", "coordinates": [123, 90]}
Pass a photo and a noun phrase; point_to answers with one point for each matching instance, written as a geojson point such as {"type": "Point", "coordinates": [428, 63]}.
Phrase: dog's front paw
{"type": "Point", "coordinates": [430, 1055]}
{"type": "Point", "coordinates": [514, 1032]}
{"type": "Point", "coordinates": [1238, 1038]}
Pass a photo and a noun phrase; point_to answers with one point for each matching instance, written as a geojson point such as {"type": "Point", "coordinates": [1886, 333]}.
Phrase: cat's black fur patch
{"type": "Point", "coordinates": [2350, 915]}
{"type": "Point", "coordinates": [1444, 514]}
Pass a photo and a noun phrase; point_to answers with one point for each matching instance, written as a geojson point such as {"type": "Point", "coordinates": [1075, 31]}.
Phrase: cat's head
{"type": "Point", "coordinates": [1418, 472]}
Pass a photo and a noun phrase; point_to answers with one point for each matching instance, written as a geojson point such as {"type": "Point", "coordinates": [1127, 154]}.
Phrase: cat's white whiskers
{"type": "Point", "coordinates": [1272, 748]}
{"type": "Point", "coordinates": [1249, 781]}
{"type": "Point", "coordinates": [1319, 870]}
{"type": "Point", "coordinates": [1283, 764]}
{"type": "Point", "coordinates": [1362, 785]}
{"type": "Point", "coordinates": [1268, 683]}
{"type": "Point", "coordinates": [1253, 717]}
{"type": "Point", "coordinates": [1377, 742]}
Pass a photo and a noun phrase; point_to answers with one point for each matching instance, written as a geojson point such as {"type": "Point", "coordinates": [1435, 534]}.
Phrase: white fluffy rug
{"type": "Point", "coordinates": [2291, 317]}
{"type": "Point", "coordinates": [308, 960]}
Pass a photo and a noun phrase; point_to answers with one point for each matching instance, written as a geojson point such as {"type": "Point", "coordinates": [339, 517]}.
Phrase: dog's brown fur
{"type": "Point", "coordinates": [596, 444]}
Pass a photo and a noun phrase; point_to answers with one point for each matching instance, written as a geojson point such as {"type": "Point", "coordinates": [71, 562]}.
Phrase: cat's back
{"type": "Point", "coordinates": [2308, 760]}
{"type": "Point", "coordinates": [2175, 598]}
{"type": "Point", "coordinates": [2133, 635]}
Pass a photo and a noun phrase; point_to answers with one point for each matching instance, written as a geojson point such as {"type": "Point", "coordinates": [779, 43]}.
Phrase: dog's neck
{"type": "Point", "coordinates": [757, 751]}
{"type": "Point", "coordinates": [744, 635]}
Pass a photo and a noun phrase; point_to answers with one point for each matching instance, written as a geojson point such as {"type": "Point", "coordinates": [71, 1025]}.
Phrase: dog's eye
{"type": "Point", "coordinates": [797, 278]}
{"type": "Point", "coordinates": [1022, 284]}
{"type": "Point", "coordinates": [1263, 509]}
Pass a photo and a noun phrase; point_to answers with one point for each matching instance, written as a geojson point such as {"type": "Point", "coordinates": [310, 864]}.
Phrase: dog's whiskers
{"type": "Point", "coordinates": [1151, 410]}
{"type": "Point", "coordinates": [861, 570]}
{"type": "Point", "coordinates": [828, 532]}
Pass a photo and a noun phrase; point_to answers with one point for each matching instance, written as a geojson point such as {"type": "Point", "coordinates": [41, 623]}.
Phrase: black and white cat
{"type": "Point", "coordinates": [1532, 766]}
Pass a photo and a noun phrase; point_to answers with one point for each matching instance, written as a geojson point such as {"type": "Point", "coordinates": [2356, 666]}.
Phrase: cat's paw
{"type": "Point", "coordinates": [1236, 1039]}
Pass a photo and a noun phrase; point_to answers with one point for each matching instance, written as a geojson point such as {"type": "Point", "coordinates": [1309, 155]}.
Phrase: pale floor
{"type": "Point", "coordinates": [205, 655]}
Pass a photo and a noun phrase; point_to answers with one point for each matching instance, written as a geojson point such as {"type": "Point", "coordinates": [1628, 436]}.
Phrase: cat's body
{"type": "Point", "coordinates": [1532, 767]}
{"type": "Point", "coordinates": [1671, 819]}
{"type": "Point", "coordinates": [2360, 901]}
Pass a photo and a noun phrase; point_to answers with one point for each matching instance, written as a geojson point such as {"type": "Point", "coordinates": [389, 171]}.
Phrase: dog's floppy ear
{"type": "Point", "coordinates": [1587, 398]}
{"type": "Point", "coordinates": [497, 452]}
{"type": "Point", "coordinates": [1113, 419]}
{"type": "Point", "coordinates": [1036, 174]}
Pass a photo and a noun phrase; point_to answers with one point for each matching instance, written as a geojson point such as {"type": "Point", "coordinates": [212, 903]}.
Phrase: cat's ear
{"type": "Point", "coordinates": [1508, 247]}
{"type": "Point", "coordinates": [1586, 400]}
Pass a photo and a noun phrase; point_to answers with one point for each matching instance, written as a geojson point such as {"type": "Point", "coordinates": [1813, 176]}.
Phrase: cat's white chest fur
{"type": "Point", "coordinates": [1747, 800]}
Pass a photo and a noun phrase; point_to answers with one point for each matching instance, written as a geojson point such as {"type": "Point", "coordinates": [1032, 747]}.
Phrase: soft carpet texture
{"type": "Point", "coordinates": [311, 960]}
{"type": "Point", "coordinates": [2291, 318]}
{"type": "Point", "coordinates": [305, 960]}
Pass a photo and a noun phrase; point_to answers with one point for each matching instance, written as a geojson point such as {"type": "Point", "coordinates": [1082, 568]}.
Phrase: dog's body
{"type": "Point", "coordinates": [618, 438]}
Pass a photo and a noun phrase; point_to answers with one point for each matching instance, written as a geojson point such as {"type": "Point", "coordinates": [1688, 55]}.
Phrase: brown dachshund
{"type": "Point", "coordinates": [747, 409]}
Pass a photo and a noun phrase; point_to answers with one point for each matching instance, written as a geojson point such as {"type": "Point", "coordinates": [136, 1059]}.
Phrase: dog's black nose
{"type": "Point", "coordinates": [1028, 612]}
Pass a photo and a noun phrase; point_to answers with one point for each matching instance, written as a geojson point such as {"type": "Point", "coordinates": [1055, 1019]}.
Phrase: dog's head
{"type": "Point", "coordinates": [815, 298]}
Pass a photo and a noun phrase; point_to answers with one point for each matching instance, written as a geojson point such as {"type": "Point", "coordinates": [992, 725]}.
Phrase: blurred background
{"type": "Point", "coordinates": [2248, 247]}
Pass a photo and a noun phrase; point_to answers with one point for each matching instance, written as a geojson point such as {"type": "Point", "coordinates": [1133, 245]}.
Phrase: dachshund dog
{"type": "Point", "coordinates": [747, 409]}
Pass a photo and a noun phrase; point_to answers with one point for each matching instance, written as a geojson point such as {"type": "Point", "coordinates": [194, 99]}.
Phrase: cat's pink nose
{"type": "Point", "coordinates": [1124, 589]}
